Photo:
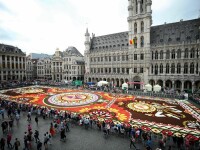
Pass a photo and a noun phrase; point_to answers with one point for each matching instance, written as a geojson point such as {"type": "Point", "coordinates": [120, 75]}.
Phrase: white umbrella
{"type": "Point", "coordinates": [148, 87]}
{"type": "Point", "coordinates": [100, 83]}
{"type": "Point", "coordinates": [157, 88]}
{"type": "Point", "coordinates": [124, 85]}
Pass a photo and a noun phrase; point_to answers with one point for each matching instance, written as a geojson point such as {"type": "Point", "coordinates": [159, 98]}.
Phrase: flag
{"type": "Point", "coordinates": [131, 41]}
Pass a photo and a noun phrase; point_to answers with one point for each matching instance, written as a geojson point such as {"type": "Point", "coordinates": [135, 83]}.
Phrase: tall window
{"type": "Point", "coordinates": [142, 27]}
{"type": "Point", "coordinates": [167, 54]}
{"type": "Point", "coordinates": [135, 56]}
{"type": "Point", "coordinates": [186, 53]}
{"type": "Point", "coordinates": [192, 53]}
{"type": "Point", "coordinates": [186, 68]}
{"type": "Point", "coordinates": [152, 55]}
{"type": "Point", "coordinates": [156, 69]}
{"type": "Point", "coordinates": [152, 69]}
{"type": "Point", "coordinates": [161, 54]}
{"type": "Point", "coordinates": [136, 6]}
{"type": "Point", "coordinates": [142, 41]}
{"type": "Point", "coordinates": [141, 56]}
{"type": "Point", "coordinates": [197, 70]}
{"type": "Point", "coordinates": [178, 53]}
{"type": "Point", "coordinates": [135, 28]}
{"type": "Point", "coordinates": [156, 55]}
{"type": "Point", "coordinates": [161, 68]}
{"type": "Point", "coordinates": [173, 54]}
{"type": "Point", "coordinates": [167, 68]}
{"type": "Point", "coordinates": [135, 42]}
{"type": "Point", "coordinates": [178, 68]}
{"type": "Point", "coordinates": [173, 68]}
{"type": "Point", "coordinates": [192, 68]}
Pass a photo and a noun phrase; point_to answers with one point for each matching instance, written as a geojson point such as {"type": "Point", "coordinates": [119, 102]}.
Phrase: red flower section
{"type": "Point", "coordinates": [167, 132]}
{"type": "Point", "coordinates": [145, 128]}
{"type": "Point", "coordinates": [190, 137]}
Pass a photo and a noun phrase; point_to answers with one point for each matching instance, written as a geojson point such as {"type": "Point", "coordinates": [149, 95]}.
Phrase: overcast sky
{"type": "Point", "coordinates": [41, 26]}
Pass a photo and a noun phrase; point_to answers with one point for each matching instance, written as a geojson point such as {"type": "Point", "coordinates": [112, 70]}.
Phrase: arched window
{"type": "Point", "coordinates": [197, 70]}
{"type": "Point", "coordinates": [136, 6]}
{"type": "Point", "coordinates": [172, 68]}
{"type": "Point", "coordinates": [135, 28]}
{"type": "Point", "coordinates": [135, 42]}
{"type": "Point", "coordinates": [173, 54]}
{"type": "Point", "coordinates": [186, 68]}
{"type": "Point", "coordinates": [142, 41]}
{"type": "Point", "coordinates": [161, 54]}
{"type": "Point", "coordinates": [152, 69]}
{"type": "Point", "coordinates": [142, 27]}
{"type": "Point", "coordinates": [178, 68]}
{"type": "Point", "coordinates": [156, 69]}
{"type": "Point", "coordinates": [167, 54]}
{"type": "Point", "coordinates": [192, 53]}
{"type": "Point", "coordinates": [167, 68]}
{"type": "Point", "coordinates": [178, 53]}
{"type": "Point", "coordinates": [141, 6]}
{"type": "Point", "coordinates": [186, 53]}
{"type": "Point", "coordinates": [192, 68]}
{"type": "Point", "coordinates": [156, 55]}
{"type": "Point", "coordinates": [161, 68]}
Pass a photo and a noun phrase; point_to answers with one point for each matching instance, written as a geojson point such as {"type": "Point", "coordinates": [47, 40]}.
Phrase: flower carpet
{"type": "Point", "coordinates": [168, 116]}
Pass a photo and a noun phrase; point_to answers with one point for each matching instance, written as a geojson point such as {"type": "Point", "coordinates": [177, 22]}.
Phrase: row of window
{"type": "Point", "coordinates": [187, 68]}
{"type": "Point", "coordinates": [109, 58]}
{"type": "Point", "coordinates": [176, 54]}
{"type": "Point", "coordinates": [109, 70]}
{"type": "Point", "coordinates": [12, 58]}
{"type": "Point", "coordinates": [13, 66]}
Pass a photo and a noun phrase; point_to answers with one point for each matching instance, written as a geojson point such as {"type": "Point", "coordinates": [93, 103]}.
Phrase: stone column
{"type": "Point", "coordinates": [139, 3]}
{"type": "Point", "coordinates": [182, 86]}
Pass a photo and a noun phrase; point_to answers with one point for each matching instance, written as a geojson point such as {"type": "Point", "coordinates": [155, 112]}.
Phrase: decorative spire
{"type": "Point", "coordinates": [87, 33]}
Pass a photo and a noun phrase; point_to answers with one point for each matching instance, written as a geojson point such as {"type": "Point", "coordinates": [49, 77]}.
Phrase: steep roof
{"type": "Point", "coordinates": [175, 33]}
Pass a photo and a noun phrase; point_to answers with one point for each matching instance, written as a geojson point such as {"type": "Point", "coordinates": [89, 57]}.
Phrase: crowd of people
{"type": "Point", "coordinates": [60, 125]}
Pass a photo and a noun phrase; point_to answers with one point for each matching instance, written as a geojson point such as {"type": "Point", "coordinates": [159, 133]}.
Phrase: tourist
{"type": "Point", "coordinates": [9, 138]}
{"type": "Point", "coordinates": [16, 144]}
{"type": "Point", "coordinates": [132, 142]}
{"type": "Point", "coordinates": [2, 143]}
{"type": "Point", "coordinates": [36, 136]}
{"type": "Point", "coordinates": [36, 119]}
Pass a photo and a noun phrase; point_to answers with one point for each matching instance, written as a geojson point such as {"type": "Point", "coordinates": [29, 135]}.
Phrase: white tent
{"type": "Point", "coordinates": [124, 85]}
{"type": "Point", "coordinates": [148, 87]}
{"type": "Point", "coordinates": [157, 88]}
{"type": "Point", "coordinates": [100, 83]}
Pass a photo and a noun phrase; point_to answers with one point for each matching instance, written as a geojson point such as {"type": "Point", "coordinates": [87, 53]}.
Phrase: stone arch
{"type": "Point", "coordinates": [168, 84]}
{"type": "Point", "coordinates": [117, 82]}
{"type": "Point", "coordinates": [178, 85]}
{"type": "Point", "coordinates": [197, 85]}
{"type": "Point", "coordinates": [135, 80]}
{"type": "Point", "coordinates": [126, 80]}
{"type": "Point", "coordinates": [152, 82]}
{"type": "Point", "coordinates": [74, 78]}
{"type": "Point", "coordinates": [121, 81]}
{"type": "Point", "coordinates": [188, 86]}
{"type": "Point", "coordinates": [104, 79]}
{"type": "Point", "coordinates": [89, 80]}
{"type": "Point", "coordinates": [108, 80]}
{"type": "Point", "coordinates": [160, 82]}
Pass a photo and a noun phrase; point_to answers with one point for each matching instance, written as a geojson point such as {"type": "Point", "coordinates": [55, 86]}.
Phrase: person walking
{"type": "Point", "coordinates": [2, 143]}
{"type": "Point", "coordinates": [132, 142]}
{"type": "Point", "coordinates": [16, 144]}
{"type": "Point", "coordinates": [9, 138]}
{"type": "Point", "coordinates": [36, 119]}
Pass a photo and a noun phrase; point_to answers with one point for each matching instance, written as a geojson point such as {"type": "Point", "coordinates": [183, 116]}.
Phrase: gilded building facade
{"type": "Point", "coordinates": [166, 54]}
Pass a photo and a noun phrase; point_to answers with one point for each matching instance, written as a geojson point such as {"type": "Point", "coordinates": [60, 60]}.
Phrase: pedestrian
{"type": "Point", "coordinates": [36, 135]}
{"type": "Point", "coordinates": [9, 138]}
{"type": "Point", "coordinates": [36, 119]}
{"type": "Point", "coordinates": [2, 143]}
{"type": "Point", "coordinates": [16, 144]}
{"type": "Point", "coordinates": [39, 145]}
{"type": "Point", "coordinates": [132, 142]}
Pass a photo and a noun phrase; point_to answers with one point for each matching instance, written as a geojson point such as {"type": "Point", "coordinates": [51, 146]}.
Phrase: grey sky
{"type": "Point", "coordinates": [44, 25]}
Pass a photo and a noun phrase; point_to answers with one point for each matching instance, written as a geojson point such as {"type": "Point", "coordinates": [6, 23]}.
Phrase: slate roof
{"type": "Point", "coordinates": [175, 33]}
{"type": "Point", "coordinates": [10, 49]}
{"type": "Point", "coordinates": [73, 51]}
{"type": "Point", "coordinates": [110, 41]}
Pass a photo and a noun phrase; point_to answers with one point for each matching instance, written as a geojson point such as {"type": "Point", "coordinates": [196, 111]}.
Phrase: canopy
{"type": "Point", "coordinates": [90, 83]}
{"type": "Point", "coordinates": [148, 87]}
{"type": "Point", "coordinates": [100, 83]}
{"type": "Point", "coordinates": [157, 88]}
{"type": "Point", "coordinates": [124, 85]}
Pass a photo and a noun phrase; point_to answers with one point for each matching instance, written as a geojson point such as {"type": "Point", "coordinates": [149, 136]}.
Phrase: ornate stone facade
{"type": "Point", "coordinates": [12, 63]}
{"type": "Point", "coordinates": [166, 54]}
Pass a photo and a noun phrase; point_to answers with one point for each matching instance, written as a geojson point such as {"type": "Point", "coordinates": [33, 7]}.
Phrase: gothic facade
{"type": "Point", "coordinates": [166, 54]}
